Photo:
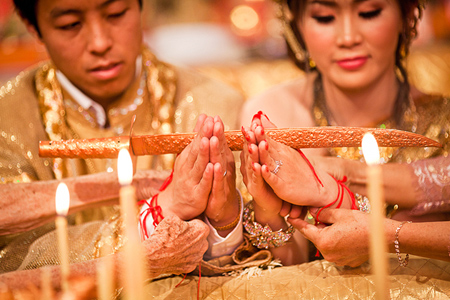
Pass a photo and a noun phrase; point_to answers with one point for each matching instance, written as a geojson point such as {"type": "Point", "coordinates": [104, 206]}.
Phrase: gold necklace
{"type": "Point", "coordinates": [405, 118]}
{"type": "Point", "coordinates": [160, 81]}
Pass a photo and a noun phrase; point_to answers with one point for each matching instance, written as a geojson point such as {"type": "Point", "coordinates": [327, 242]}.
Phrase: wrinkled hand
{"type": "Point", "coordinates": [148, 182]}
{"type": "Point", "coordinates": [222, 205]}
{"type": "Point", "coordinates": [187, 195]}
{"type": "Point", "coordinates": [176, 246]}
{"type": "Point", "coordinates": [345, 241]}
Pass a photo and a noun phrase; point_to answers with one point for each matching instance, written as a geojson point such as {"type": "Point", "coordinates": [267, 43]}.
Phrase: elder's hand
{"type": "Point", "coordinates": [345, 241]}
{"type": "Point", "coordinates": [176, 246]}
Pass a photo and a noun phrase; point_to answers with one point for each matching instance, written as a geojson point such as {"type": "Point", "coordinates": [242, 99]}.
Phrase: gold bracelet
{"type": "Point", "coordinates": [263, 237]}
{"type": "Point", "coordinates": [401, 262]}
{"type": "Point", "coordinates": [235, 221]}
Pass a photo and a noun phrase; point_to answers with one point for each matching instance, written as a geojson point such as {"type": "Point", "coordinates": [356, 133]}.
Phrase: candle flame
{"type": "Point", "coordinates": [125, 167]}
{"type": "Point", "coordinates": [370, 149]}
{"type": "Point", "coordinates": [62, 199]}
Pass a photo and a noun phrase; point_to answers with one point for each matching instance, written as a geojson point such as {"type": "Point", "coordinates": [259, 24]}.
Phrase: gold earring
{"type": "Point", "coordinates": [312, 63]}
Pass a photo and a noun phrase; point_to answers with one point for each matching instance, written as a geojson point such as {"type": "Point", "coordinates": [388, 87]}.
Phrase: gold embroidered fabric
{"type": "Point", "coordinates": [421, 279]}
{"type": "Point", "coordinates": [433, 182]}
{"type": "Point", "coordinates": [34, 108]}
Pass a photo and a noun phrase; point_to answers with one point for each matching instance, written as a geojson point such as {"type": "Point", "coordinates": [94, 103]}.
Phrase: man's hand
{"type": "Point", "coordinates": [223, 205]}
{"type": "Point", "coordinates": [187, 194]}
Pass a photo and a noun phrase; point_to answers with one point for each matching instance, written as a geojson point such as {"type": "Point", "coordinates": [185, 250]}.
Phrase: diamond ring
{"type": "Point", "coordinates": [279, 163]}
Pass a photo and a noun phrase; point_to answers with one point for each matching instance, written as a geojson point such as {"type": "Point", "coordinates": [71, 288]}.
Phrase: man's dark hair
{"type": "Point", "coordinates": [27, 10]}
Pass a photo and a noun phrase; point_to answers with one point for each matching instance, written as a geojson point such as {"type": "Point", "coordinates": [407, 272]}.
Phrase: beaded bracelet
{"type": "Point", "coordinates": [263, 237]}
{"type": "Point", "coordinates": [401, 262]}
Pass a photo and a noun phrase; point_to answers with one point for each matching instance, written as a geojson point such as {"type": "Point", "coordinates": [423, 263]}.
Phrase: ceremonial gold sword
{"type": "Point", "coordinates": [304, 137]}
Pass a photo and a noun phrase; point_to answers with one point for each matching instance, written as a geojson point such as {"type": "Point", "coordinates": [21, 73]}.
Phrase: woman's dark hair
{"type": "Point", "coordinates": [411, 11]}
{"type": "Point", "coordinates": [27, 10]}
{"type": "Point", "coordinates": [409, 18]}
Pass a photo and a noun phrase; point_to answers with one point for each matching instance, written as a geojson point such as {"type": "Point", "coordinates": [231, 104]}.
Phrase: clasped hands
{"type": "Point", "coordinates": [295, 187]}
{"type": "Point", "coordinates": [204, 179]}
{"type": "Point", "coordinates": [204, 183]}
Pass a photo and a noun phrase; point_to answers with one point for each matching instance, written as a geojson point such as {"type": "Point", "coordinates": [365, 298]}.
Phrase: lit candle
{"type": "Point", "coordinates": [375, 193]}
{"type": "Point", "coordinates": [134, 258]}
{"type": "Point", "coordinates": [62, 200]}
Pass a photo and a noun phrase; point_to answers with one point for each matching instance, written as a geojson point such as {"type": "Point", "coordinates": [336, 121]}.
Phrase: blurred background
{"type": "Point", "coordinates": [237, 41]}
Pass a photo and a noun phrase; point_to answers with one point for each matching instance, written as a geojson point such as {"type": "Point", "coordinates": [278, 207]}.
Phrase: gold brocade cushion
{"type": "Point", "coordinates": [421, 279]}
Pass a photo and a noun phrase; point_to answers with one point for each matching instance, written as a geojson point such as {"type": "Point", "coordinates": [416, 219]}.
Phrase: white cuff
{"type": "Point", "coordinates": [219, 246]}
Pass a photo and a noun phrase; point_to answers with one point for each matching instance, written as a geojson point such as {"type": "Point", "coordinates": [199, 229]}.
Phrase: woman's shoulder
{"type": "Point", "coordinates": [284, 103]}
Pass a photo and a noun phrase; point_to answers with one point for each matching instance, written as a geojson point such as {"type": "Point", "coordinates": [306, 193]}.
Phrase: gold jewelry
{"type": "Point", "coordinates": [263, 237]}
{"type": "Point", "coordinates": [402, 263]}
{"type": "Point", "coordinates": [160, 82]}
{"type": "Point", "coordinates": [236, 220]}
{"type": "Point", "coordinates": [363, 203]}
{"type": "Point", "coordinates": [408, 122]}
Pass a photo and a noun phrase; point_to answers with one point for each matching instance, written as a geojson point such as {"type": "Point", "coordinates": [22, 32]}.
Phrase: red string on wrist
{"type": "Point", "coordinates": [310, 166]}
{"type": "Point", "coordinates": [341, 188]}
{"type": "Point", "coordinates": [153, 208]}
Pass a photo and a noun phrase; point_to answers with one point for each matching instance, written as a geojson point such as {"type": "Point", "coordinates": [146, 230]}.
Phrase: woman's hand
{"type": "Point", "coordinates": [267, 204]}
{"type": "Point", "coordinates": [290, 175]}
{"type": "Point", "coordinates": [345, 241]}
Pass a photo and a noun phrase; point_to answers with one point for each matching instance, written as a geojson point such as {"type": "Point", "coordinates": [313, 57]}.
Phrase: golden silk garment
{"type": "Point", "coordinates": [428, 116]}
{"type": "Point", "coordinates": [33, 107]}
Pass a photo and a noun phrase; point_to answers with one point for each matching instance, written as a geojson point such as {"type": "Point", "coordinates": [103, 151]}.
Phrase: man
{"type": "Point", "coordinates": [100, 75]}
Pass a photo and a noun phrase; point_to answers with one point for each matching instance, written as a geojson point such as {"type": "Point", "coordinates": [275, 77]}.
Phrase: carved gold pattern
{"type": "Point", "coordinates": [308, 137]}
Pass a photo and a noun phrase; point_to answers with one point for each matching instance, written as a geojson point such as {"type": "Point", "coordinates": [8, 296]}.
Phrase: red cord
{"type": "Point", "coordinates": [153, 208]}
{"type": "Point", "coordinates": [310, 166]}
{"type": "Point", "coordinates": [199, 277]}
{"type": "Point", "coordinates": [181, 280]}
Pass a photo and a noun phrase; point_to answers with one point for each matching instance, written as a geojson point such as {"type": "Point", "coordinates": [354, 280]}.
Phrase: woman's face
{"type": "Point", "coordinates": [95, 43]}
{"type": "Point", "coordinates": [352, 42]}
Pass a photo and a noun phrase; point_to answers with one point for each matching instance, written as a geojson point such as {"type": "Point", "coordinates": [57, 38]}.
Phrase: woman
{"type": "Point", "coordinates": [352, 53]}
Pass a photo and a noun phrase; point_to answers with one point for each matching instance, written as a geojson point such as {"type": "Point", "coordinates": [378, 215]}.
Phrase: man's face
{"type": "Point", "coordinates": [93, 42]}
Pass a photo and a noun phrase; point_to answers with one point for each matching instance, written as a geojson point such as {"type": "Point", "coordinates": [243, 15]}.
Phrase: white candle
{"type": "Point", "coordinates": [375, 193]}
{"type": "Point", "coordinates": [134, 258]}
{"type": "Point", "coordinates": [62, 201]}
{"type": "Point", "coordinates": [46, 283]}
{"type": "Point", "coordinates": [105, 269]}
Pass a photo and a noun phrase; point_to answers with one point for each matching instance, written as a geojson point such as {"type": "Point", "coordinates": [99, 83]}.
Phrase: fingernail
{"type": "Point", "coordinates": [247, 137]}
{"type": "Point", "coordinates": [250, 149]}
{"type": "Point", "coordinates": [267, 145]}
{"type": "Point", "coordinates": [253, 166]}
{"type": "Point", "coordinates": [262, 130]}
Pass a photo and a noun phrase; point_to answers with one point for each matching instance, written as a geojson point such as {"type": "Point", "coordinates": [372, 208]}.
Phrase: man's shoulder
{"type": "Point", "coordinates": [20, 86]}
{"type": "Point", "coordinates": [200, 94]}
